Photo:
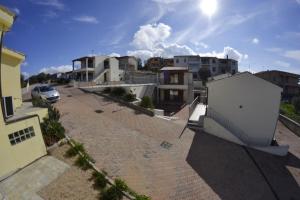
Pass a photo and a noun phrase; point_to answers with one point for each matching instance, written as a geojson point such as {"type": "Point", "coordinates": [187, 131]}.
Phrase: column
{"type": "Point", "coordinates": [86, 68]}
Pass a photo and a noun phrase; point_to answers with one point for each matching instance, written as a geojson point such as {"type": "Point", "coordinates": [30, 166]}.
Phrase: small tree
{"type": "Point", "coordinates": [296, 103]}
{"type": "Point", "coordinates": [147, 102]}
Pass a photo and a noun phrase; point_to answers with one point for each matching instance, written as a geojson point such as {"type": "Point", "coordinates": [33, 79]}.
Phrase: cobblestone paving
{"type": "Point", "coordinates": [128, 145]}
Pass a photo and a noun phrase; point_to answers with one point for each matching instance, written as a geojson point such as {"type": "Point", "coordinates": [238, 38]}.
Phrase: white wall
{"type": "Point", "coordinates": [249, 102]}
{"type": "Point", "coordinates": [99, 65]}
{"type": "Point", "coordinates": [114, 72]}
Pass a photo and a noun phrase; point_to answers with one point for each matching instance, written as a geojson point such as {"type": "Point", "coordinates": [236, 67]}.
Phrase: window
{"type": "Point", "coordinates": [177, 61]}
{"type": "Point", "coordinates": [174, 78]}
{"type": "Point", "coordinates": [174, 94]}
{"type": "Point", "coordinates": [214, 69]}
{"type": "Point", "coordinates": [21, 135]}
{"type": "Point", "coordinates": [185, 60]}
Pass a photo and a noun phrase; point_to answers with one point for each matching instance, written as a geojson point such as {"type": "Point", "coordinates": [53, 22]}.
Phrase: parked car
{"type": "Point", "coordinates": [45, 92]}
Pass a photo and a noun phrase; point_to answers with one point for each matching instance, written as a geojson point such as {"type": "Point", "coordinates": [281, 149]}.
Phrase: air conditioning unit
{"type": "Point", "coordinates": [8, 106]}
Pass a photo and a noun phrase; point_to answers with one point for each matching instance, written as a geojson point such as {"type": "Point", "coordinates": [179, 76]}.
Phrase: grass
{"type": "Point", "coordinates": [290, 111]}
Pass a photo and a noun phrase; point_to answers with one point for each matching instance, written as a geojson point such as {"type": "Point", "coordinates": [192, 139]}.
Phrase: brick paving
{"type": "Point", "coordinates": [127, 144]}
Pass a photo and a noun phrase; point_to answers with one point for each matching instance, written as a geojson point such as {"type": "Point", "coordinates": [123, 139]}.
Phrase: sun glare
{"type": "Point", "coordinates": [208, 7]}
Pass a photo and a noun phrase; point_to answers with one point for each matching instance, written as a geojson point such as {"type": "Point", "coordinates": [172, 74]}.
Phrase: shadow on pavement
{"type": "Point", "coordinates": [229, 171]}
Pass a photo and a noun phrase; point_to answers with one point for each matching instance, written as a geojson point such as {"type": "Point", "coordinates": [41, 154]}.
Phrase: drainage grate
{"type": "Point", "coordinates": [166, 145]}
{"type": "Point", "coordinates": [99, 111]}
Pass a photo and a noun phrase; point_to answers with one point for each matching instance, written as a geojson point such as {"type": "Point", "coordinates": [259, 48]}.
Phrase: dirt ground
{"type": "Point", "coordinates": [73, 184]}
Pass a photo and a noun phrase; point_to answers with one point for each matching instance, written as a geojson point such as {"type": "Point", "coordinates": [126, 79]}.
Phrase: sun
{"type": "Point", "coordinates": [209, 7]}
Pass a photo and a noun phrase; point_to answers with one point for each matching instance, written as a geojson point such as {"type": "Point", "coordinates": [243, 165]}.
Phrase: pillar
{"type": "Point", "coordinates": [86, 68]}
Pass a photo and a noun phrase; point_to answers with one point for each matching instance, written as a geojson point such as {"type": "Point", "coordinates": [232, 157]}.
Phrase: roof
{"type": "Point", "coordinates": [243, 73]}
{"type": "Point", "coordinates": [13, 53]}
{"type": "Point", "coordinates": [174, 69]}
{"type": "Point", "coordinates": [84, 57]}
{"type": "Point", "coordinates": [278, 71]}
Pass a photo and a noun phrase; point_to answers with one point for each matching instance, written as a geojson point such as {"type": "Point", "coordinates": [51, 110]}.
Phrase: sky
{"type": "Point", "coordinates": [261, 35]}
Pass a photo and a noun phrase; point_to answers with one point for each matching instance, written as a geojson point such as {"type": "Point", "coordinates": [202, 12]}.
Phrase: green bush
{"type": "Point", "coordinates": [289, 110]}
{"type": "Point", "coordinates": [82, 161]}
{"type": "Point", "coordinates": [129, 97]}
{"type": "Point", "coordinates": [296, 103]}
{"type": "Point", "coordinates": [38, 102]}
{"type": "Point", "coordinates": [52, 131]}
{"type": "Point", "coordinates": [74, 150]}
{"type": "Point", "coordinates": [118, 91]}
{"type": "Point", "coordinates": [147, 102]}
{"type": "Point", "coordinates": [53, 113]}
{"type": "Point", "coordinates": [121, 185]}
{"type": "Point", "coordinates": [142, 197]}
{"type": "Point", "coordinates": [107, 90]}
{"type": "Point", "coordinates": [100, 180]}
{"type": "Point", "coordinates": [111, 193]}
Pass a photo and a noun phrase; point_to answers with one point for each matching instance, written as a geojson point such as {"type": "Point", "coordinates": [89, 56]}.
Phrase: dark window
{"type": "Point", "coordinates": [20, 136]}
{"type": "Point", "coordinates": [177, 61]}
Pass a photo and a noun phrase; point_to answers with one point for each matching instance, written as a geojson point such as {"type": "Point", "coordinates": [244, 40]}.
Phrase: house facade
{"type": "Point", "coordinates": [156, 63]}
{"type": "Point", "coordinates": [175, 86]}
{"type": "Point", "coordinates": [244, 109]}
{"type": "Point", "coordinates": [129, 63]}
{"type": "Point", "coordinates": [214, 65]}
{"type": "Point", "coordinates": [21, 140]}
{"type": "Point", "coordinates": [97, 69]}
{"type": "Point", "coordinates": [289, 82]}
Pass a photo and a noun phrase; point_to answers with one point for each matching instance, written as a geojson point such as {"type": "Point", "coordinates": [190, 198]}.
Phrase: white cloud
{"type": "Point", "coordinates": [255, 40]}
{"type": "Point", "coordinates": [56, 69]}
{"type": "Point", "coordinates": [86, 19]}
{"type": "Point", "coordinates": [298, 1]}
{"type": "Point", "coordinates": [52, 3]}
{"type": "Point", "coordinates": [246, 56]}
{"type": "Point", "coordinates": [201, 44]}
{"type": "Point", "coordinates": [294, 54]}
{"type": "Point", "coordinates": [114, 55]}
{"type": "Point", "coordinates": [227, 51]}
{"type": "Point", "coordinates": [16, 10]}
{"type": "Point", "coordinates": [279, 63]}
{"type": "Point", "coordinates": [152, 40]}
{"type": "Point", "coordinates": [149, 35]}
{"type": "Point", "coordinates": [51, 14]}
{"type": "Point", "coordinates": [25, 74]}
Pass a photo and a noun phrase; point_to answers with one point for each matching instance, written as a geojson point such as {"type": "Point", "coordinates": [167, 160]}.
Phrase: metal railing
{"type": "Point", "coordinates": [193, 105]}
{"type": "Point", "coordinates": [231, 127]}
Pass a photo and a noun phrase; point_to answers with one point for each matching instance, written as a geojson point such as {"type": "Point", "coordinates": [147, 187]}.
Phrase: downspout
{"type": "Point", "coordinates": [1, 97]}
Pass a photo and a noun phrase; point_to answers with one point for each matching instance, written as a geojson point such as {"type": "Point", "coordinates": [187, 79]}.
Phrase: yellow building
{"type": "Point", "coordinates": [21, 140]}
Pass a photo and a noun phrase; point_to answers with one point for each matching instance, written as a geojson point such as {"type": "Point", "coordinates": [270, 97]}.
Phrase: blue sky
{"type": "Point", "coordinates": [260, 34]}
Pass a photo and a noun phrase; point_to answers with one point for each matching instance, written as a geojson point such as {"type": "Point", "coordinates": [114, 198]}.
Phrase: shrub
{"type": "Point", "coordinates": [53, 113]}
{"type": "Point", "coordinates": [38, 102]}
{"type": "Point", "coordinates": [121, 185]}
{"type": "Point", "coordinates": [74, 150]}
{"type": "Point", "coordinates": [52, 131]}
{"type": "Point", "coordinates": [82, 161]}
{"type": "Point", "coordinates": [142, 197]}
{"type": "Point", "coordinates": [129, 97]}
{"type": "Point", "coordinates": [111, 193]}
{"type": "Point", "coordinates": [100, 180]}
{"type": "Point", "coordinates": [118, 91]}
{"type": "Point", "coordinates": [107, 90]}
{"type": "Point", "coordinates": [296, 103]}
{"type": "Point", "coordinates": [147, 102]}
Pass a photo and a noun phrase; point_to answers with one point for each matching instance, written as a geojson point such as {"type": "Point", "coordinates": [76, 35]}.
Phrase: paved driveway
{"type": "Point", "coordinates": [128, 144]}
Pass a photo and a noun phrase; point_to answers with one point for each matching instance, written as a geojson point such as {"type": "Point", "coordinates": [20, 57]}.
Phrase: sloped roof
{"type": "Point", "coordinates": [244, 73]}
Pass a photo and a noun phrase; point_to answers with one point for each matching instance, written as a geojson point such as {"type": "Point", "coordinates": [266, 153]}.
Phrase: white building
{"type": "Point", "coordinates": [215, 65]}
{"type": "Point", "coordinates": [98, 69]}
{"type": "Point", "coordinates": [244, 109]}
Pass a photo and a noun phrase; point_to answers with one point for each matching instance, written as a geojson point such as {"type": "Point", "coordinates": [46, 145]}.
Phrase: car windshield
{"type": "Point", "coordinates": [46, 88]}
